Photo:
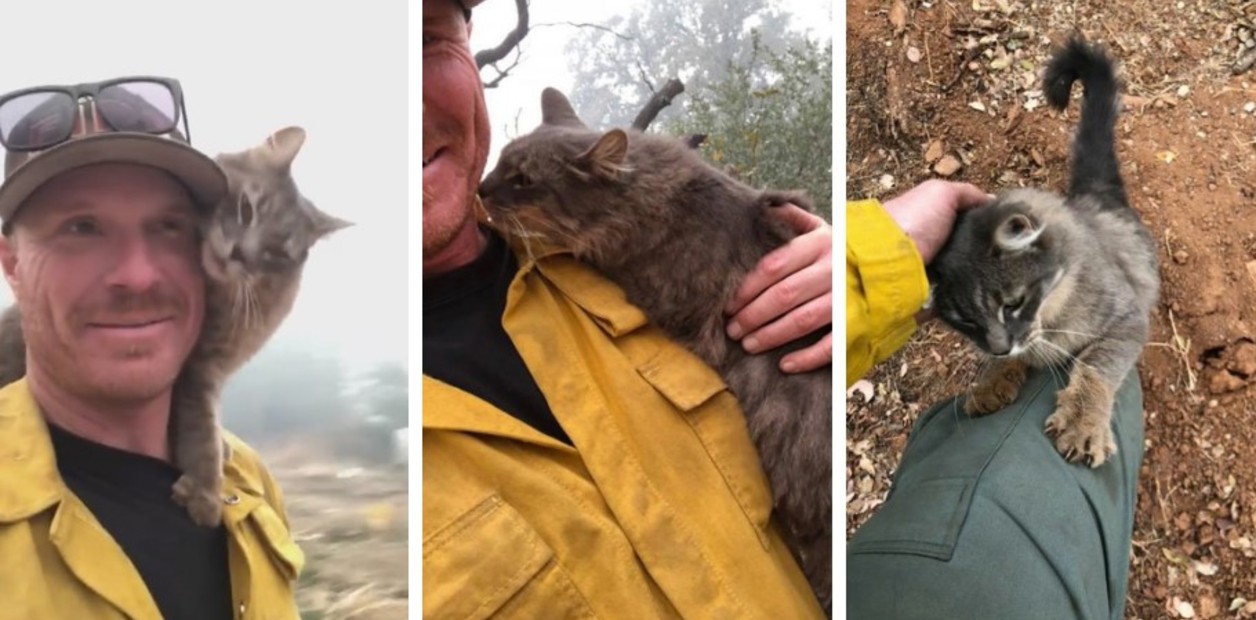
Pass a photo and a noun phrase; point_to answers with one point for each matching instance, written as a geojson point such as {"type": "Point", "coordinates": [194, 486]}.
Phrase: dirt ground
{"type": "Point", "coordinates": [351, 523]}
{"type": "Point", "coordinates": [958, 81]}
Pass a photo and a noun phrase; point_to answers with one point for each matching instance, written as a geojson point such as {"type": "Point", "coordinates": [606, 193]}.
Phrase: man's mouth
{"type": "Point", "coordinates": [134, 324]}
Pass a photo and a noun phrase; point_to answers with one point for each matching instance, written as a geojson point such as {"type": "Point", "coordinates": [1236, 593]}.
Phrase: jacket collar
{"type": "Point", "coordinates": [580, 283]}
{"type": "Point", "coordinates": [30, 482]}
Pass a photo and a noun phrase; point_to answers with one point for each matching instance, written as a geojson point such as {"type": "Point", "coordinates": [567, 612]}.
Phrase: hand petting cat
{"type": "Point", "coordinates": [789, 295]}
{"type": "Point", "coordinates": [927, 212]}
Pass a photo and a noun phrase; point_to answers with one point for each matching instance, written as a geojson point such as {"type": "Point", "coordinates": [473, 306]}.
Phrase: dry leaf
{"type": "Point", "coordinates": [864, 387]}
{"type": "Point", "coordinates": [1208, 607]}
{"type": "Point", "coordinates": [937, 148]}
{"type": "Point", "coordinates": [947, 166]}
{"type": "Point", "coordinates": [898, 16]}
{"type": "Point", "coordinates": [1206, 569]}
{"type": "Point", "coordinates": [1183, 608]}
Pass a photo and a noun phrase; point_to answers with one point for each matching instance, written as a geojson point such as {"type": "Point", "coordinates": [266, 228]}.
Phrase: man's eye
{"type": "Point", "coordinates": [82, 227]}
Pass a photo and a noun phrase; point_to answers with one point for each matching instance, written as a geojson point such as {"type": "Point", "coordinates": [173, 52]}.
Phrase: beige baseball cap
{"type": "Point", "coordinates": [93, 141]}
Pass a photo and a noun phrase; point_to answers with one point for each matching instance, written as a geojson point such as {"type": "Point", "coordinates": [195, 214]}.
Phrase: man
{"type": "Point", "coordinates": [577, 463]}
{"type": "Point", "coordinates": [99, 207]}
{"type": "Point", "coordinates": [985, 519]}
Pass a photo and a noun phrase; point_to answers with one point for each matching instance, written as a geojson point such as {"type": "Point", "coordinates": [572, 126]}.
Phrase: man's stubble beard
{"type": "Point", "coordinates": [115, 387]}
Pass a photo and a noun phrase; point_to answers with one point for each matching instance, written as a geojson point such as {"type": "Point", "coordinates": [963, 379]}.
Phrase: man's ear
{"type": "Point", "coordinates": [8, 259]}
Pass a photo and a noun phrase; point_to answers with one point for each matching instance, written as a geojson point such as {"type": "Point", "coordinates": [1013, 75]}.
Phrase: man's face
{"type": "Point", "coordinates": [104, 261]}
{"type": "Point", "coordinates": [455, 127]}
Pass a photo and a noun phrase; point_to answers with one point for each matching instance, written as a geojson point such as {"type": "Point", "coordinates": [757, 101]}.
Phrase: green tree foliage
{"type": "Point", "coordinates": [769, 121]}
{"type": "Point", "coordinates": [758, 90]}
{"type": "Point", "coordinates": [693, 41]}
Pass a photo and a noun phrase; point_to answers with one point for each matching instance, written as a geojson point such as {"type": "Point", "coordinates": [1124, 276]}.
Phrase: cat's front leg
{"type": "Point", "coordinates": [997, 386]}
{"type": "Point", "coordinates": [1081, 425]}
{"type": "Point", "coordinates": [199, 450]}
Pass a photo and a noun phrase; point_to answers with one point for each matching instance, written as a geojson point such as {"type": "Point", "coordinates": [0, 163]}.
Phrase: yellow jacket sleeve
{"type": "Point", "coordinates": [885, 287]}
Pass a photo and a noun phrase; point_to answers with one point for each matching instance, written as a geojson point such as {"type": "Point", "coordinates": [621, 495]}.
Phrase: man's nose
{"type": "Point", "coordinates": [135, 268]}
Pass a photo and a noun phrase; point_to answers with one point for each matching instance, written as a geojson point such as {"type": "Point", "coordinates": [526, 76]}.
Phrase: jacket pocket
{"type": "Point", "coordinates": [282, 549]}
{"type": "Point", "coordinates": [719, 423]}
{"type": "Point", "coordinates": [490, 563]}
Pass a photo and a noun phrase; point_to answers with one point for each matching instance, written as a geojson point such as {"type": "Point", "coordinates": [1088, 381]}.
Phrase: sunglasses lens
{"type": "Point", "coordinates": [37, 120]}
{"type": "Point", "coordinates": [141, 105]}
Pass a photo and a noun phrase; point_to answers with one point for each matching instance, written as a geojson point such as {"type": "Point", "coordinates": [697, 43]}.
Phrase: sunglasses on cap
{"type": "Point", "coordinates": [38, 118]}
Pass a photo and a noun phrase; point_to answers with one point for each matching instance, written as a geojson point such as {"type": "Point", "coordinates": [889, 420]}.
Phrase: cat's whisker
{"type": "Point", "coordinates": [1069, 356]}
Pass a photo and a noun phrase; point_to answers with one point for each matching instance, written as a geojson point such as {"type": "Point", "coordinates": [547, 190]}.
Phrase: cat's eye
{"type": "Point", "coordinates": [1014, 304]}
{"type": "Point", "coordinates": [520, 180]}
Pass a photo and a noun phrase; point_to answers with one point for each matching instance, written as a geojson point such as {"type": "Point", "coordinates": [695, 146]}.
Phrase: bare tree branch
{"type": "Point", "coordinates": [512, 40]}
{"type": "Point", "coordinates": [502, 73]}
{"type": "Point", "coordinates": [660, 100]}
{"type": "Point", "coordinates": [584, 25]}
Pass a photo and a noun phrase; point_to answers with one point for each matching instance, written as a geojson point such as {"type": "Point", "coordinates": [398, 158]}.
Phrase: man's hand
{"type": "Point", "coordinates": [789, 294]}
{"type": "Point", "coordinates": [927, 212]}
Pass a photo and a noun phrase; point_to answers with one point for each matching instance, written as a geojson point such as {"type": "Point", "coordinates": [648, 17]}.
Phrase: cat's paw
{"type": "Point", "coordinates": [996, 390]}
{"type": "Point", "coordinates": [202, 504]}
{"type": "Point", "coordinates": [1081, 431]}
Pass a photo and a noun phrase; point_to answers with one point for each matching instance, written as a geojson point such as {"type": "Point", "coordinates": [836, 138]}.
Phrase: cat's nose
{"type": "Point", "coordinates": [1000, 348]}
{"type": "Point", "coordinates": [237, 254]}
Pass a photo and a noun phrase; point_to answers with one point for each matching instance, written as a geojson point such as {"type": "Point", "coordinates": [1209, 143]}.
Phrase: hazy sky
{"type": "Point", "coordinates": [248, 69]}
{"type": "Point", "coordinates": [544, 64]}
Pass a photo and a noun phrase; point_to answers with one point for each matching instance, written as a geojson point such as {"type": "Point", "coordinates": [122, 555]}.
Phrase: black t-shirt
{"type": "Point", "coordinates": [184, 565]}
{"type": "Point", "coordinates": [465, 345]}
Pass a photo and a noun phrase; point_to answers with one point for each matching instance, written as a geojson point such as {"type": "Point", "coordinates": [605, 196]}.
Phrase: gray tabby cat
{"type": "Point", "coordinates": [678, 236]}
{"type": "Point", "coordinates": [254, 248]}
{"type": "Point", "coordinates": [1039, 280]}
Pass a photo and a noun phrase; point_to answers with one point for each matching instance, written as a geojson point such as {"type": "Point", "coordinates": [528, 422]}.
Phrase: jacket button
{"type": "Point", "coordinates": [232, 500]}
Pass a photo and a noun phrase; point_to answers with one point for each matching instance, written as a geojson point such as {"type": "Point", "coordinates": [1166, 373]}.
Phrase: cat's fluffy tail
{"type": "Point", "coordinates": [1095, 168]}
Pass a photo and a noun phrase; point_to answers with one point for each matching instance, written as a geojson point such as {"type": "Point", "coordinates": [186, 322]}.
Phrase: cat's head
{"type": "Point", "coordinates": [994, 279]}
{"type": "Point", "coordinates": [264, 226]}
{"type": "Point", "coordinates": [563, 181]}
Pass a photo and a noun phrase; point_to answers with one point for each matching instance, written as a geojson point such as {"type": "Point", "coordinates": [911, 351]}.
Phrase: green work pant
{"type": "Point", "coordinates": [986, 521]}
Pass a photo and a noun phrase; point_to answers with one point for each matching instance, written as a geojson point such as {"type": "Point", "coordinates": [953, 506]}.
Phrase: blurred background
{"type": "Point", "coordinates": [325, 402]}
{"type": "Point", "coordinates": [751, 79]}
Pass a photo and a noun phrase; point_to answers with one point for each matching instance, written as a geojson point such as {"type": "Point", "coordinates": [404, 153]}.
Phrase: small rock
{"type": "Point", "coordinates": [913, 53]}
{"type": "Point", "coordinates": [934, 151]}
{"type": "Point", "coordinates": [1180, 257]}
{"type": "Point", "coordinates": [1183, 91]}
{"type": "Point", "coordinates": [978, 106]}
{"type": "Point", "coordinates": [886, 181]}
{"type": "Point", "coordinates": [1249, 607]}
{"type": "Point", "coordinates": [1249, 107]}
{"type": "Point", "coordinates": [947, 166]}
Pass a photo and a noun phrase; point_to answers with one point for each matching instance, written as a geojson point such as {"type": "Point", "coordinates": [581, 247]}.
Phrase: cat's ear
{"type": "Point", "coordinates": [1017, 232]}
{"type": "Point", "coordinates": [283, 146]}
{"type": "Point", "coordinates": [556, 110]}
{"type": "Point", "coordinates": [607, 157]}
{"type": "Point", "coordinates": [326, 224]}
